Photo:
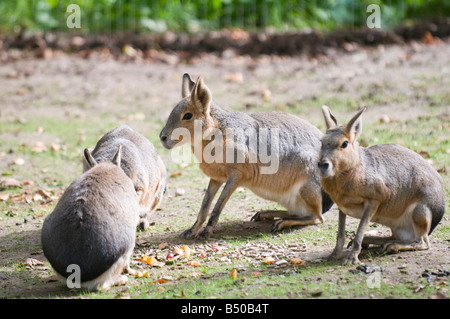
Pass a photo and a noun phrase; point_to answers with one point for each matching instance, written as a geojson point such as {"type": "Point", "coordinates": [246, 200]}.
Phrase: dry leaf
{"type": "Point", "coordinates": [424, 154]}
{"type": "Point", "coordinates": [236, 77]}
{"type": "Point", "coordinates": [266, 95]}
{"type": "Point", "coordinates": [159, 281]}
{"type": "Point", "coordinates": [296, 261]}
{"type": "Point", "coordinates": [268, 260]}
{"type": "Point", "coordinates": [195, 274]}
{"type": "Point", "coordinates": [152, 261]}
{"type": "Point", "coordinates": [4, 197]}
{"type": "Point", "coordinates": [37, 197]}
{"type": "Point", "coordinates": [233, 274]}
{"type": "Point", "coordinates": [9, 182]}
{"type": "Point", "coordinates": [187, 251]}
{"type": "Point", "coordinates": [55, 147]}
{"type": "Point", "coordinates": [31, 262]}
{"type": "Point", "coordinates": [44, 193]}
{"type": "Point", "coordinates": [177, 251]}
{"type": "Point", "coordinates": [39, 147]}
{"type": "Point", "coordinates": [175, 174]}
{"type": "Point", "coordinates": [194, 264]}
{"type": "Point", "coordinates": [163, 245]}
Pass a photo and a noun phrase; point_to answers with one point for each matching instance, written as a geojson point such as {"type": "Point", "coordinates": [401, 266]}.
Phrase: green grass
{"type": "Point", "coordinates": [203, 15]}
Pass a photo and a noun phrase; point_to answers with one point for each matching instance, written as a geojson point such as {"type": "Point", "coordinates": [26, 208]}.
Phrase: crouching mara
{"type": "Point", "coordinates": [91, 232]}
{"type": "Point", "coordinates": [387, 184]}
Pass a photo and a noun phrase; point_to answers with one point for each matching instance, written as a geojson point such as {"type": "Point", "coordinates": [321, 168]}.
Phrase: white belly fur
{"type": "Point", "coordinates": [289, 199]}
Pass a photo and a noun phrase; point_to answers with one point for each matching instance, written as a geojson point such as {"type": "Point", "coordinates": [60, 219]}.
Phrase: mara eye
{"type": "Point", "coordinates": [187, 116]}
{"type": "Point", "coordinates": [344, 145]}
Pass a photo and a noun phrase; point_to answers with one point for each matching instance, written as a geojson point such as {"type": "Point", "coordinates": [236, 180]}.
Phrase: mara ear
{"type": "Point", "coordinates": [187, 85]}
{"type": "Point", "coordinates": [354, 126]}
{"type": "Point", "coordinates": [201, 96]}
{"type": "Point", "coordinates": [118, 156]}
{"type": "Point", "coordinates": [89, 159]}
{"type": "Point", "coordinates": [330, 120]}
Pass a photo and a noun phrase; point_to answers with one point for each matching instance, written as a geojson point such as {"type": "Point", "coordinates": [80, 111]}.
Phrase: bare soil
{"type": "Point", "coordinates": [102, 90]}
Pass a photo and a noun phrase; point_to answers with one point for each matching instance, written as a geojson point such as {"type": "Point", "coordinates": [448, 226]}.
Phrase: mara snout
{"type": "Point", "coordinates": [140, 162]}
{"type": "Point", "coordinates": [90, 235]}
{"type": "Point", "coordinates": [273, 154]}
{"type": "Point", "coordinates": [387, 184]}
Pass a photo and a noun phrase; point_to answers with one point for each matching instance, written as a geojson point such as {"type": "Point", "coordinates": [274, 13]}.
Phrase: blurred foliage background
{"type": "Point", "coordinates": [100, 16]}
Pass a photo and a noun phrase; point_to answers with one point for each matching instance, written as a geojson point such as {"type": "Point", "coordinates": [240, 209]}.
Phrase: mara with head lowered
{"type": "Point", "coordinates": [387, 184]}
{"type": "Point", "coordinates": [273, 154]}
{"type": "Point", "coordinates": [93, 227]}
{"type": "Point", "coordinates": [140, 162]}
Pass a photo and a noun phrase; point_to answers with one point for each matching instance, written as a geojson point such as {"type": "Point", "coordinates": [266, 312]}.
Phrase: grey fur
{"type": "Point", "coordinates": [140, 162]}
{"type": "Point", "coordinates": [93, 226]}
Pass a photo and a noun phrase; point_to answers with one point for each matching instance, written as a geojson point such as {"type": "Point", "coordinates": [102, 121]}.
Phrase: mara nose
{"type": "Point", "coordinates": [163, 138]}
{"type": "Point", "coordinates": [324, 164]}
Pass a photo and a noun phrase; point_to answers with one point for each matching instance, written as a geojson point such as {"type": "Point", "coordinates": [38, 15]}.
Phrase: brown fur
{"type": "Point", "coordinates": [386, 184]}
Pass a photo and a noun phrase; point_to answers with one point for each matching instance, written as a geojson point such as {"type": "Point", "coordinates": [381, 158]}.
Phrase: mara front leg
{"type": "Point", "coordinates": [340, 240]}
{"type": "Point", "coordinates": [370, 209]}
{"type": "Point", "coordinates": [232, 183]}
{"type": "Point", "coordinates": [211, 191]}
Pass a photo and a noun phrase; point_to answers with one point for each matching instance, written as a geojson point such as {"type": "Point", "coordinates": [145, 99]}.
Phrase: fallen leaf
{"type": "Point", "coordinates": [9, 182]}
{"type": "Point", "coordinates": [39, 147]}
{"type": "Point", "coordinates": [160, 281]}
{"type": "Point", "coordinates": [31, 262]}
{"type": "Point", "coordinates": [424, 154]}
{"type": "Point", "coordinates": [233, 274]}
{"type": "Point", "coordinates": [163, 245]}
{"type": "Point", "coordinates": [187, 251]}
{"type": "Point", "coordinates": [256, 274]}
{"type": "Point", "coordinates": [194, 264]}
{"type": "Point", "coordinates": [236, 77]}
{"type": "Point", "coordinates": [268, 260]}
{"type": "Point", "coordinates": [152, 261]}
{"type": "Point", "coordinates": [177, 251]}
{"type": "Point", "coordinates": [129, 50]}
{"type": "Point", "coordinates": [195, 274]}
{"type": "Point", "coordinates": [44, 193]}
{"type": "Point", "coordinates": [55, 147]}
{"type": "Point", "coordinates": [37, 197]}
{"type": "Point", "coordinates": [175, 174]}
{"type": "Point", "coordinates": [4, 197]}
{"type": "Point", "coordinates": [296, 261]}
{"type": "Point", "coordinates": [266, 95]}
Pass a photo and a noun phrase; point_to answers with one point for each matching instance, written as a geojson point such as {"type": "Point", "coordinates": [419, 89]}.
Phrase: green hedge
{"type": "Point", "coordinates": [201, 15]}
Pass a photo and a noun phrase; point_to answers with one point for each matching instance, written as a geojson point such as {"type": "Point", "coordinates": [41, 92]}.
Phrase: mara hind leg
{"type": "Point", "coordinates": [307, 212]}
{"type": "Point", "coordinates": [414, 237]}
{"type": "Point", "coordinates": [113, 276]}
{"type": "Point", "coordinates": [270, 214]}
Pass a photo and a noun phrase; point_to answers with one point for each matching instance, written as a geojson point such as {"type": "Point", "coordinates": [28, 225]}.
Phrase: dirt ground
{"type": "Point", "coordinates": [101, 91]}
